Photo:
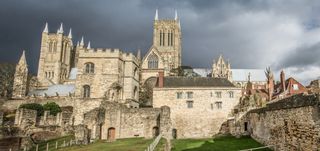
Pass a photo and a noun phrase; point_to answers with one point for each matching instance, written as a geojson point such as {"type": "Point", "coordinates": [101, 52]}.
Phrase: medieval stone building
{"type": "Point", "coordinates": [199, 106]}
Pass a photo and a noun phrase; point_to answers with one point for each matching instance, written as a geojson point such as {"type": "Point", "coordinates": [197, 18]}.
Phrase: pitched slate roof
{"type": "Point", "coordinates": [173, 82]}
{"type": "Point", "coordinates": [62, 90]}
{"type": "Point", "coordinates": [73, 73]}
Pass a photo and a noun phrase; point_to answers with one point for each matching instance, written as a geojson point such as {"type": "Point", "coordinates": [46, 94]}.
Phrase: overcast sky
{"type": "Point", "coordinates": [283, 34]}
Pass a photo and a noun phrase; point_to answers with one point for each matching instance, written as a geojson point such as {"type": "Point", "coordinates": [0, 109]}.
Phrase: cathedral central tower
{"type": "Point", "coordinates": [165, 52]}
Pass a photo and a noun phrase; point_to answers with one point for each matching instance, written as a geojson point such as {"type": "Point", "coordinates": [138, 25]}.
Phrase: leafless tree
{"type": "Point", "coordinates": [6, 79]}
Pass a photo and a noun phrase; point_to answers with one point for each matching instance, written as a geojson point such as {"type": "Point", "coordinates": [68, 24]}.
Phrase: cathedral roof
{"type": "Point", "coordinates": [62, 90]}
{"type": "Point", "coordinates": [196, 82]}
{"type": "Point", "coordinates": [73, 73]}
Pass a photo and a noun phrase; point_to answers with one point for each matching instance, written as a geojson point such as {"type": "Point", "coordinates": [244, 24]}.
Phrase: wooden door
{"type": "Point", "coordinates": [111, 134]}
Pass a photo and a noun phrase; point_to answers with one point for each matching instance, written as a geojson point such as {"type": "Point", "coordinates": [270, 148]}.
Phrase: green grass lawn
{"type": "Point", "coordinates": [130, 144]}
{"type": "Point", "coordinates": [225, 143]}
{"type": "Point", "coordinates": [52, 143]}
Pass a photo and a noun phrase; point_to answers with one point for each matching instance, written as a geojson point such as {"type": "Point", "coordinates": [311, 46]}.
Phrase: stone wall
{"type": "Point", "coordinates": [289, 124]}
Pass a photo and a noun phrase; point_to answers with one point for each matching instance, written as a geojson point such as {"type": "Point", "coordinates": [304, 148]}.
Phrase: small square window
{"type": "Point", "coordinates": [219, 105]}
{"type": "Point", "coordinates": [189, 95]}
{"type": "Point", "coordinates": [179, 95]}
{"type": "Point", "coordinates": [295, 87]}
{"type": "Point", "coordinates": [190, 104]}
{"type": "Point", "coordinates": [218, 94]}
{"type": "Point", "coordinates": [231, 94]}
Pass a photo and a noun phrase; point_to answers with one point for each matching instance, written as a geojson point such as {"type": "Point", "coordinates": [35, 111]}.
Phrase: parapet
{"type": "Point", "coordinates": [107, 53]}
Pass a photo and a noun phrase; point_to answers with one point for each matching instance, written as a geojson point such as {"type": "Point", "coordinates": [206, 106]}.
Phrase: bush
{"type": "Point", "coordinates": [33, 106]}
{"type": "Point", "coordinates": [53, 107]}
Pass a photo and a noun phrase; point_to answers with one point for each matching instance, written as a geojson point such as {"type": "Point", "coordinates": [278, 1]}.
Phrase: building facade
{"type": "Point", "coordinates": [107, 73]}
{"type": "Point", "coordinates": [199, 106]}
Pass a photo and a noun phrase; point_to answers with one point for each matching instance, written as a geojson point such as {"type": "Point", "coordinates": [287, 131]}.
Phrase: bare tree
{"type": "Point", "coordinates": [6, 79]}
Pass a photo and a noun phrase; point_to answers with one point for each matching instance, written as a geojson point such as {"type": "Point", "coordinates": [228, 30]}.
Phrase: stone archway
{"type": "Point", "coordinates": [111, 134]}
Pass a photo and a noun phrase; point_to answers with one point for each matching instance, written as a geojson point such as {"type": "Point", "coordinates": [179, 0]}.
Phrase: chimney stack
{"type": "Point", "coordinates": [283, 81]}
{"type": "Point", "coordinates": [160, 80]}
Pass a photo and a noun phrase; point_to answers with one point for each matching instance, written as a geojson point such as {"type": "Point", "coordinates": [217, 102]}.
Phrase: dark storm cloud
{"type": "Point", "coordinates": [251, 33]}
{"type": "Point", "coordinates": [302, 57]}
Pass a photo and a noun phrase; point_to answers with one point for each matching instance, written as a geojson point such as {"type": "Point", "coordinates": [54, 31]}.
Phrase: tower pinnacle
{"type": "Point", "coordinates": [70, 33]}
{"type": "Point", "coordinates": [89, 45]}
{"type": "Point", "coordinates": [46, 30]}
{"type": "Point", "coordinates": [82, 42]}
{"type": "Point", "coordinates": [60, 31]}
{"type": "Point", "coordinates": [175, 15]}
{"type": "Point", "coordinates": [156, 17]}
{"type": "Point", "coordinates": [22, 60]}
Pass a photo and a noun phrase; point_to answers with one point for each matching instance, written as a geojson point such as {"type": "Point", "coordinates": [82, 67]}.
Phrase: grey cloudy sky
{"type": "Point", "coordinates": [283, 34]}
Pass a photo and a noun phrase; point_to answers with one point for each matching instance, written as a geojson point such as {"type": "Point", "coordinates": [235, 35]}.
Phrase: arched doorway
{"type": "Point", "coordinates": [111, 133]}
{"type": "Point", "coordinates": [155, 131]}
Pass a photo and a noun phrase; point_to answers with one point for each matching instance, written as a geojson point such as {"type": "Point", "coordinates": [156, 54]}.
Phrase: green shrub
{"type": "Point", "coordinates": [53, 107]}
{"type": "Point", "coordinates": [33, 106]}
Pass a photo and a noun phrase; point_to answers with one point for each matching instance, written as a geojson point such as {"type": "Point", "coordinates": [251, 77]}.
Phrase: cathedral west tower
{"type": "Point", "coordinates": [55, 57]}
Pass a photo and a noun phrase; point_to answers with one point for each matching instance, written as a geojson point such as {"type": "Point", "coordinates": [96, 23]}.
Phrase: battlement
{"type": "Point", "coordinates": [107, 53]}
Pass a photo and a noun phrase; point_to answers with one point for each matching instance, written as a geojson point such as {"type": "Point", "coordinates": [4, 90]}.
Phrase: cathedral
{"type": "Point", "coordinates": [89, 79]}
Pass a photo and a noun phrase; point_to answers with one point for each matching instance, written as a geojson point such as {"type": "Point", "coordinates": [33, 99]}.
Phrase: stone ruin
{"type": "Point", "coordinates": [292, 123]}
{"type": "Point", "coordinates": [112, 120]}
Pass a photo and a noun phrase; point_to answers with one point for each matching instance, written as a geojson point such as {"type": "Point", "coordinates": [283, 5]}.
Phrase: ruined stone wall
{"type": "Point", "coordinates": [127, 122]}
{"type": "Point", "coordinates": [80, 106]}
{"type": "Point", "coordinates": [204, 119]}
{"type": "Point", "coordinates": [130, 122]}
{"type": "Point", "coordinates": [25, 117]}
{"type": "Point", "coordinates": [289, 124]}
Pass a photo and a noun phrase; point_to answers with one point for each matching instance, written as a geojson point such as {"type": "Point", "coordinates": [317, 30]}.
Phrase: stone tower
{"type": "Point", "coordinates": [221, 69]}
{"type": "Point", "coordinates": [167, 40]}
{"type": "Point", "coordinates": [165, 52]}
{"type": "Point", "coordinates": [20, 78]}
{"type": "Point", "coordinates": [55, 57]}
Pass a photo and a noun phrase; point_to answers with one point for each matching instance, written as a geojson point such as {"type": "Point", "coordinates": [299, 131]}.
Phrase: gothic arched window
{"type": "Point", "coordinates": [135, 92]}
{"type": "Point", "coordinates": [153, 61]}
{"type": "Point", "coordinates": [86, 91]}
{"type": "Point", "coordinates": [89, 67]}
{"type": "Point", "coordinates": [135, 71]}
